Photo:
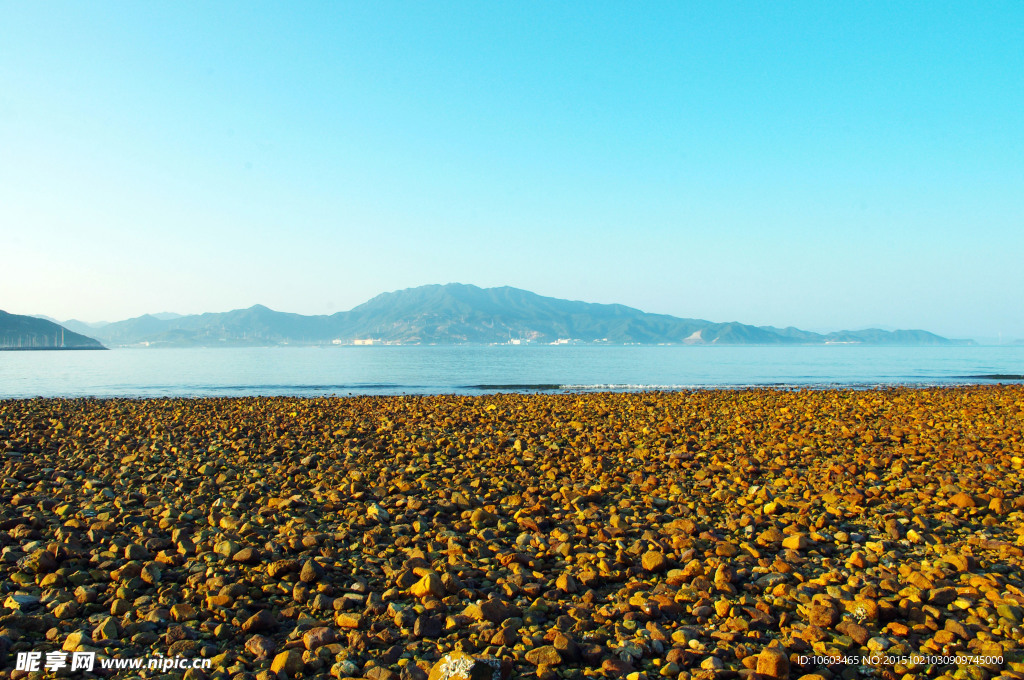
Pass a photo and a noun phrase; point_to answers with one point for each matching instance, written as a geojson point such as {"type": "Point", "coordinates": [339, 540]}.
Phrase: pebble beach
{"type": "Point", "coordinates": [713, 534]}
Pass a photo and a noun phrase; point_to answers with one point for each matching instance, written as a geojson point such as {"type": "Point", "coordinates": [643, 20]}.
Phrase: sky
{"type": "Point", "coordinates": [822, 165]}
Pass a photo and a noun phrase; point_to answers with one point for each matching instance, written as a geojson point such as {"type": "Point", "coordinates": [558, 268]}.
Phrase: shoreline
{"type": "Point", "coordinates": [50, 349]}
{"type": "Point", "coordinates": [713, 534]}
{"type": "Point", "coordinates": [384, 391]}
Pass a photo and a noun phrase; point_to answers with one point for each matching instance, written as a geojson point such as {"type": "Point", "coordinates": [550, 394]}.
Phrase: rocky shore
{"type": "Point", "coordinates": [714, 535]}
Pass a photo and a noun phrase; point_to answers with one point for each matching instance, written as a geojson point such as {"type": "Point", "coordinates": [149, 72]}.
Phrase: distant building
{"type": "Point", "coordinates": [363, 341]}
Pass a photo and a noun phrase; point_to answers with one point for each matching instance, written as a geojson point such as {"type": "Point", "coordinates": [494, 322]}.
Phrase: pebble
{"type": "Point", "coordinates": [75, 641]}
{"type": "Point", "coordinates": [544, 656]}
{"type": "Point", "coordinates": [311, 572]}
{"type": "Point", "coordinates": [183, 612]}
{"type": "Point", "coordinates": [461, 666]}
{"type": "Point", "coordinates": [21, 602]}
{"type": "Point", "coordinates": [774, 663]}
{"type": "Point", "coordinates": [878, 644]}
{"type": "Point", "coordinates": [260, 646]}
{"type": "Point", "coordinates": [348, 620]}
{"type": "Point", "coordinates": [259, 622]}
{"type": "Point", "coordinates": [318, 637]}
{"type": "Point", "coordinates": [654, 560]}
{"type": "Point", "coordinates": [711, 535]}
{"type": "Point", "coordinates": [796, 542]}
{"type": "Point", "coordinates": [429, 585]}
{"type": "Point", "coordinates": [288, 663]}
{"type": "Point", "coordinates": [712, 663]}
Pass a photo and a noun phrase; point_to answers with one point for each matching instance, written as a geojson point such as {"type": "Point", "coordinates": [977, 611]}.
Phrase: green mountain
{"type": "Point", "coordinates": [255, 326]}
{"type": "Point", "coordinates": [29, 332]}
{"type": "Point", "coordinates": [464, 314]}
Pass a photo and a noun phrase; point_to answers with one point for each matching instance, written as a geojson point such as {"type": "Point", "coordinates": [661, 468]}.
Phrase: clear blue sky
{"type": "Point", "coordinates": [824, 165]}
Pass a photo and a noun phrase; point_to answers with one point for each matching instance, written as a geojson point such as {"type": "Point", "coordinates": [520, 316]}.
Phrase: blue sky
{"type": "Point", "coordinates": [823, 165]}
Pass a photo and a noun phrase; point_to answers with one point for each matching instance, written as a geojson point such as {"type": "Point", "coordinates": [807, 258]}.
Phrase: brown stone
{"type": "Point", "coordinates": [68, 610]}
{"type": "Point", "coordinates": [106, 630]}
{"type": "Point", "coordinates": [796, 542]}
{"type": "Point", "coordinates": [281, 567]}
{"type": "Point", "coordinates": [957, 628]}
{"type": "Point", "coordinates": [151, 574]}
{"type": "Point", "coordinates": [823, 615]}
{"type": "Point", "coordinates": [616, 667]}
{"type": "Point", "coordinates": [348, 620]}
{"type": "Point", "coordinates": [544, 656]}
{"type": "Point", "coordinates": [318, 637]}
{"type": "Point", "coordinates": [940, 597]}
{"type": "Point", "coordinates": [727, 549]}
{"type": "Point", "coordinates": [259, 622]}
{"type": "Point", "coordinates": [774, 663]}
{"type": "Point", "coordinates": [311, 572]}
{"type": "Point", "coordinates": [566, 583]}
{"type": "Point", "coordinates": [262, 647]}
{"type": "Point", "coordinates": [919, 580]}
{"type": "Point", "coordinates": [429, 585]}
{"type": "Point", "coordinates": [859, 633]}
{"type": "Point", "coordinates": [411, 671]}
{"type": "Point", "coordinates": [770, 536]}
{"type": "Point", "coordinates": [183, 612]}
{"type": "Point", "coordinates": [496, 611]}
{"type": "Point", "coordinates": [813, 634]}
{"type": "Point", "coordinates": [461, 666]}
{"type": "Point", "coordinates": [505, 637]}
{"type": "Point", "coordinates": [380, 673]}
{"type": "Point", "coordinates": [427, 626]}
{"type": "Point", "coordinates": [134, 551]}
{"type": "Point", "coordinates": [864, 610]}
{"type": "Point", "coordinates": [288, 662]}
{"type": "Point", "coordinates": [175, 633]}
{"type": "Point", "coordinates": [898, 629]}
{"type": "Point", "coordinates": [654, 560]}
{"type": "Point", "coordinates": [962, 500]}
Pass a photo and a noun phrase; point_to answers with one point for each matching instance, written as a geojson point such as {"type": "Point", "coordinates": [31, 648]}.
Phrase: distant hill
{"type": "Point", "coordinates": [29, 332]}
{"type": "Point", "coordinates": [464, 314]}
{"type": "Point", "coordinates": [255, 326]}
{"type": "Point", "coordinates": [81, 327]}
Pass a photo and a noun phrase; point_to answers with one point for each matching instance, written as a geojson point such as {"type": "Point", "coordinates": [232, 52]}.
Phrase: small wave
{"type": "Point", "coordinates": [516, 386]}
{"type": "Point", "coordinates": [994, 376]}
{"type": "Point", "coordinates": [617, 387]}
{"type": "Point", "coordinates": [320, 388]}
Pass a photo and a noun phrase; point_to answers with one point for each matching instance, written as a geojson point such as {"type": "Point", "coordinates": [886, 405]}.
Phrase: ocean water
{"type": "Point", "coordinates": [324, 371]}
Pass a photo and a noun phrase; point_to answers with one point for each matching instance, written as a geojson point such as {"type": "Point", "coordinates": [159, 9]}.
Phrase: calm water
{"type": "Point", "coordinates": [474, 370]}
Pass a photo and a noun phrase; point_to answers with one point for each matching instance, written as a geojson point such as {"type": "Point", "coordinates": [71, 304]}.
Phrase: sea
{"type": "Point", "coordinates": [396, 370]}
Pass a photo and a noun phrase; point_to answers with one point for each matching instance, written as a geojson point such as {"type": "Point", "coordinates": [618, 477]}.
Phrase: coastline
{"type": "Point", "coordinates": [696, 534]}
{"type": "Point", "coordinates": [49, 349]}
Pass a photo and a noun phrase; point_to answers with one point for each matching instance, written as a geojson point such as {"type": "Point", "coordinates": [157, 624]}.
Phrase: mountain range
{"type": "Point", "coordinates": [464, 314]}
{"type": "Point", "coordinates": [28, 332]}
